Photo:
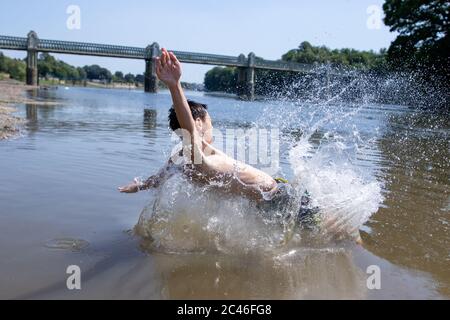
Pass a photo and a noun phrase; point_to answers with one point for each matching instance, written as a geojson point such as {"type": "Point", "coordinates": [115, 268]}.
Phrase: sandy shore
{"type": "Point", "coordinates": [9, 125]}
{"type": "Point", "coordinates": [11, 93]}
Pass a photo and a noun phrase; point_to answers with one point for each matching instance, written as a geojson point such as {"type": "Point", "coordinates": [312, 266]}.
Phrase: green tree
{"type": "Point", "coordinates": [129, 78]}
{"type": "Point", "coordinates": [119, 75]}
{"type": "Point", "coordinates": [3, 66]}
{"type": "Point", "coordinates": [50, 66]}
{"type": "Point", "coordinates": [17, 69]}
{"type": "Point", "coordinates": [423, 41]}
{"type": "Point", "coordinates": [348, 58]}
{"type": "Point", "coordinates": [140, 78]}
{"type": "Point", "coordinates": [92, 72]}
{"type": "Point", "coordinates": [221, 79]}
{"type": "Point", "coordinates": [81, 74]}
{"type": "Point", "coordinates": [95, 72]}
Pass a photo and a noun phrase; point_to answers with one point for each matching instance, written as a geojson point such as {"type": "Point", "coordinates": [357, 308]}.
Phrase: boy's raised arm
{"type": "Point", "coordinates": [168, 69]}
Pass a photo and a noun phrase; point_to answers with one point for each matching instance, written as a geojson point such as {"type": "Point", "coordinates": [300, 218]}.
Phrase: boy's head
{"type": "Point", "coordinates": [201, 117]}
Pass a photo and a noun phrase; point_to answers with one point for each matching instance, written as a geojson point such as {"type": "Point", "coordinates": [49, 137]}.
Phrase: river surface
{"type": "Point", "coordinates": [382, 169]}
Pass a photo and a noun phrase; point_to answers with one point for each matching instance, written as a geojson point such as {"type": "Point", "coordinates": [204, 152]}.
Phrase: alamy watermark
{"type": "Point", "coordinates": [374, 21]}
{"type": "Point", "coordinates": [256, 147]}
{"type": "Point", "coordinates": [373, 281]}
{"type": "Point", "coordinates": [73, 22]}
{"type": "Point", "coordinates": [73, 282]}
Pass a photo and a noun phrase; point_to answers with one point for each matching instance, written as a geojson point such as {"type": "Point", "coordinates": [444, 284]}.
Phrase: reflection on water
{"type": "Point", "coordinates": [59, 182]}
{"type": "Point", "coordinates": [327, 273]}
{"type": "Point", "coordinates": [150, 116]}
{"type": "Point", "coordinates": [412, 229]}
{"type": "Point", "coordinates": [299, 274]}
{"type": "Point", "coordinates": [32, 117]}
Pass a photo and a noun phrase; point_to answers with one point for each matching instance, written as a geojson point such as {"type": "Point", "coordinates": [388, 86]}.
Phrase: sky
{"type": "Point", "coordinates": [267, 27]}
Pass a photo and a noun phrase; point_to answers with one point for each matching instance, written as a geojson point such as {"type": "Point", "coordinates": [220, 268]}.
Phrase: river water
{"type": "Point", "coordinates": [381, 169]}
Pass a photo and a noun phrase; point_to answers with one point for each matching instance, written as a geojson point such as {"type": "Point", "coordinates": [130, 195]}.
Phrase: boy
{"type": "Point", "coordinates": [209, 165]}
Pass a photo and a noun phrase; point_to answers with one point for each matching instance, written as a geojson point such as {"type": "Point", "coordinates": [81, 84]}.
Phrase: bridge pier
{"type": "Point", "coordinates": [32, 77]}
{"type": "Point", "coordinates": [151, 79]}
{"type": "Point", "coordinates": [246, 78]}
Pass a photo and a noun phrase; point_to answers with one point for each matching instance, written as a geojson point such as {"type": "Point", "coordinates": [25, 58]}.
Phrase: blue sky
{"type": "Point", "coordinates": [268, 28]}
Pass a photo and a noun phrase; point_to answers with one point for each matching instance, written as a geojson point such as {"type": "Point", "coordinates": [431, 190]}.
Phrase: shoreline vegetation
{"type": "Point", "coordinates": [54, 72]}
{"type": "Point", "coordinates": [413, 71]}
{"type": "Point", "coordinates": [52, 83]}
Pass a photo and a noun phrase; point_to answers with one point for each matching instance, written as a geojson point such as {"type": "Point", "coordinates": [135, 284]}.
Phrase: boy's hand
{"type": "Point", "coordinates": [130, 188]}
{"type": "Point", "coordinates": [168, 68]}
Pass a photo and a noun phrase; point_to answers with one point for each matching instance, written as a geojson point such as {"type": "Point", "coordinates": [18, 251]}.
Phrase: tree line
{"type": "Point", "coordinates": [420, 50]}
{"type": "Point", "coordinates": [226, 78]}
{"type": "Point", "coordinates": [16, 68]}
{"type": "Point", "coordinates": [49, 67]}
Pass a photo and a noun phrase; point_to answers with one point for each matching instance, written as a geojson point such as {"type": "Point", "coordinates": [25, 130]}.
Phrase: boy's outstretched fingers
{"type": "Point", "coordinates": [164, 57]}
{"type": "Point", "coordinates": [174, 58]}
{"type": "Point", "coordinates": [161, 58]}
{"type": "Point", "coordinates": [158, 66]}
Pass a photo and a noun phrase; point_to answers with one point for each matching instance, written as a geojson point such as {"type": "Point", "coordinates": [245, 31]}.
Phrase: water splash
{"type": "Point", "coordinates": [346, 199]}
{"type": "Point", "coordinates": [183, 217]}
{"type": "Point", "coordinates": [322, 144]}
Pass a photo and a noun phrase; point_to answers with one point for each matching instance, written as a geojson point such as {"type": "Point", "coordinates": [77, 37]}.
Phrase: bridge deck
{"type": "Point", "coordinates": [104, 50]}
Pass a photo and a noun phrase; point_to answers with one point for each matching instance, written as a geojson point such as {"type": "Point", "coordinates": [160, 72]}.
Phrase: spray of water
{"type": "Point", "coordinates": [322, 143]}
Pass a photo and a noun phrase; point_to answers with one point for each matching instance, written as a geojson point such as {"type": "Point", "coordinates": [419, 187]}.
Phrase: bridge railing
{"type": "Point", "coordinates": [283, 65]}
{"type": "Point", "coordinates": [13, 43]}
{"type": "Point", "coordinates": [33, 45]}
{"type": "Point", "coordinates": [95, 49]}
{"type": "Point", "coordinates": [212, 59]}
{"type": "Point", "coordinates": [91, 49]}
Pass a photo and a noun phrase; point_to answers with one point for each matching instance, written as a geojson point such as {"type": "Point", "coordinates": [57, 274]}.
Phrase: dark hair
{"type": "Point", "coordinates": [198, 110]}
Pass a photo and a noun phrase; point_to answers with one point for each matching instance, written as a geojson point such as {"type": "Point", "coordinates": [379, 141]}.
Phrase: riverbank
{"type": "Point", "coordinates": [8, 123]}
{"type": "Point", "coordinates": [87, 84]}
{"type": "Point", "coordinates": [13, 92]}
{"type": "Point", "coordinates": [113, 85]}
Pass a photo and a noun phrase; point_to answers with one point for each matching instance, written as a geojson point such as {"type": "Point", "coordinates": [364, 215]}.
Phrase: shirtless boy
{"type": "Point", "coordinates": [208, 163]}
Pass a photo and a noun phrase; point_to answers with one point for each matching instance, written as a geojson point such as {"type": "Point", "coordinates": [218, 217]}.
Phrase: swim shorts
{"type": "Point", "coordinates": [284, 204]}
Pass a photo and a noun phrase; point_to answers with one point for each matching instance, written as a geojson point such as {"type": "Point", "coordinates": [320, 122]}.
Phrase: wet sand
{"type": "Point", "coordinates": [8, 123]}
{"type": "Point", "coordinates": [10, 93]}
{"type": "Point", "coordinates": [13, 92]}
